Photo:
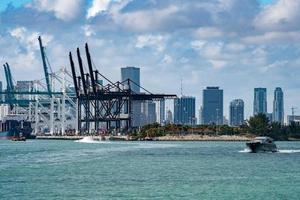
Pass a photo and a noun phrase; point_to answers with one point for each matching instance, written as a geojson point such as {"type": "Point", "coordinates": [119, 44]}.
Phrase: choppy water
{"type": "Point", "coordinates": [147, 170]}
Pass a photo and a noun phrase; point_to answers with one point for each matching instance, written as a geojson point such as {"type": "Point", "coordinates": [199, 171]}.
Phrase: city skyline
{"type": "Point", "coordinates": [212, 49]}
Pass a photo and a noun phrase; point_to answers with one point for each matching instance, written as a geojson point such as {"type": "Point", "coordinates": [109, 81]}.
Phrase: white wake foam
{"type": "Point", "coordinates": [89, 139]}
{"type": "Point", "coordinates": [279, 151]}
{"type": "Point", "coordinates": [245, 151]}
{"type": "Point", "coordinates": [289, 151]}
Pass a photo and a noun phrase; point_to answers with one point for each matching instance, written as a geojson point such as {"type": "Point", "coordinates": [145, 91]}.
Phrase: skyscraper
{"type": "Point", "coordinates": [278, 106]}
{"type": "Point", "coordinates": [184, 110]}
{"type": "Point", "coordinates": [236, 112]}
{"type": "Point", "coordinates": [260, 101]}
{"type": "Point", "coordinates": [162, 111]}
{"type": "Point", "coordinates": [169, 119]}
{"type": "Point", "coordinates": [133, 73]}
{"type": "Point", "coordinates": [1, 90]}
{"type": "Point", "coordinates": [24, 86]}
{"type": "Point", "coordinates": [212, 104]}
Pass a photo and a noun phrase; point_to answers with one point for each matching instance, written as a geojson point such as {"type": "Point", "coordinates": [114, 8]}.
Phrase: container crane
{"type": "Point", "coordinates": [47, 75]}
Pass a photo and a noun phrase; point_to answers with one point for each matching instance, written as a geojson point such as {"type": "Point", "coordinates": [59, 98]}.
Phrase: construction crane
{"type": "Point", "coordinates": [47, 75]}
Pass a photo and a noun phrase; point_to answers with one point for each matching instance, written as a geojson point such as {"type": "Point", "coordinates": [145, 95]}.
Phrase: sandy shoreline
{"type": "Point", "coordinates": [190, 137]}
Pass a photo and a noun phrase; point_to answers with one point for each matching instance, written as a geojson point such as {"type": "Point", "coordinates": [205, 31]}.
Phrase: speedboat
{"type": "Point", "coordinates": [262, 144]}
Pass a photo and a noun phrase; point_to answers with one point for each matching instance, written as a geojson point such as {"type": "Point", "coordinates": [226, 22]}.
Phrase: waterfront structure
{"type": "Point", "coordinates": [260, 101]}
{"type": "Point", "coordinates": [236, 112]}
{"type": "Point", "coordinates": [133, 73]}
{"type": "Point", "coordinates": [278, 106]}
{"type": "Point", "coordinates": [212, 106]}
{"type": "Point", "coordinates": [184, 110]}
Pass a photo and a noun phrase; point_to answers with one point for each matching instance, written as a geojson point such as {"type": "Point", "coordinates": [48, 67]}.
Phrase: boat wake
{"type": "Point", "coordinates": [89, 140]}
{"type": "Point", "coordinates": [289, 151]}
{"type": "Point", "coordinates": [245, 151]}
{"type": "Point", "coordinates": [279, 151]}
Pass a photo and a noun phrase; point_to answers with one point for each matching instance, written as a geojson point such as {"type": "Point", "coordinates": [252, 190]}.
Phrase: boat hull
{"type": "Point", "coordinates": [257, 147]}
{"type": "Point", "coordinates": [6, 135]}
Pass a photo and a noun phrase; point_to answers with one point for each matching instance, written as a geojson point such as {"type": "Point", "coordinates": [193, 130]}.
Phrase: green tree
{"type": "Point", "coordinates": [259, 124]}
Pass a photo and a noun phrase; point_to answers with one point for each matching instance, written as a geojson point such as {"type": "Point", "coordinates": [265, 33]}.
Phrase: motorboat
{"type": "Point", "coordinates": [262, 144]}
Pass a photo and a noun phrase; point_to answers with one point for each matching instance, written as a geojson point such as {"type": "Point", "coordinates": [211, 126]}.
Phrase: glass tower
{"type": "Point", "coordinates": [185, 110]}
{"type": "Point", "coordinates": [260, 101]}
{"type": "Point", "coordinates": [236, 112]}
{"type": "Point", "coordinates": [278, 106]}
{"type": "Point", "coordinates": [212, 106]}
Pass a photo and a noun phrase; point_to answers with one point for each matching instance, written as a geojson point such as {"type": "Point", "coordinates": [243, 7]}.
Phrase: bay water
{"type": "Point", "coordinates": [48, 169]}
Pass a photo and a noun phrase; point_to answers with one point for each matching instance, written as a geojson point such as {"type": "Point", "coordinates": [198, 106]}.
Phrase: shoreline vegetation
{"type": "Point", "coordinates": [255, 126]}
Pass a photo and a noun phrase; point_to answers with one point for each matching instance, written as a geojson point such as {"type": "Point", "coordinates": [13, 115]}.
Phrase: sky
{"type": "Point", "coordinates": [234, 44]}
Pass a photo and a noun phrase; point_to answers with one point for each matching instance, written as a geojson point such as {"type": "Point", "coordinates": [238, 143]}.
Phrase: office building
{"type": "Point", "coordinates": [148, 113]}
{"type": "Point", "coordinates": [184, 110]}
{"type": "Point", "coordinates": [1, 90]}
{"type": "Point", "coordinates": [293, 118]}
{"type": "Point", "coordinates": [133, 73]}
{"type": "Point", "coordinates": [212, 106]}
{"type": "Point", "coordinates": [162, 111]}
{"type": "Point", "coordinates": [236, 112]}
{"type": "Point", "coordinates": [169, 118]}
{"type": "Point", "coordinates": [24, 86]}
{"type": "Point", "coordinates": [260, 101]}
{"type": "Point", "coordinates": [278, 106]}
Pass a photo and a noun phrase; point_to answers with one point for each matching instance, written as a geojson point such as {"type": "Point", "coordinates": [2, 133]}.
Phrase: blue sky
{"type": "Point", "coordinates": [234, 44]}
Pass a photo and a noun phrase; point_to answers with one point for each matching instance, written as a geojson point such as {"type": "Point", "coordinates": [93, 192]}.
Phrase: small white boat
{"type": "Point", "coordinates": [262, 144]}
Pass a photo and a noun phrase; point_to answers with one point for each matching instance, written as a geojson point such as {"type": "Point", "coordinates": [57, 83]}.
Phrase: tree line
{"type": "Point", "coordinates": [258, 125]}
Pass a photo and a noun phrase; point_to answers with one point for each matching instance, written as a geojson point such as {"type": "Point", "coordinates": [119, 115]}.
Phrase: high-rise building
{"type": "Point", "coordinates": [1, 90]}
{"type": "Point", "coordinates": [201, 116]}
{"type": "Point", "coordinates": [184, 110]}
{"type": "Point", "coordinates": [212, 106]}
{"type": "Point", "coordinates": [236, 112]}
{"type": "Point", "coordinates": [169, 119]}
{"type": "Point", "coordinates": [24, 86]}
{"type": "Point", "coordinates": [162, 111]}
{"type": "Point", "coordinates": [260, 101]}
{"type": "Point", "coordinates": [148, 113]}
{"type": "Point", "coordinates": [133, 73]}
{"type": "Point", "coordinates": [278, 106]}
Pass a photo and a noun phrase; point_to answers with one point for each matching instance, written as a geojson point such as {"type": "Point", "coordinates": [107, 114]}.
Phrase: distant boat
{"type": "Point", "coordinates": [262, 144]}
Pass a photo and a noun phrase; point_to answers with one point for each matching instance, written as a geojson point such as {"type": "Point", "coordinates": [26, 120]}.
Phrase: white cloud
{"type": "Point", "coordinates": [65, 10]}
{"type": "Point", "coordinates": [29, 39]}
{"type": "Point", "coordinates": [145, 20]}
{"type": "Point", "coordinates": [88, 30]}
{"type": "Point", "coordinates": [207, 32]}
{"type": "Point", "coordinates": [198, 44]}
{"type": "Point", "coordinates": [274, 37]}
{"type": "Point", "coordinates": [283, 15]}
{"type": "Point", "coordinates": [148, 40]}
{"type": "Point", "coordinates": [167, 59]}
{"type": "Point", "coordinates": [98, 6]}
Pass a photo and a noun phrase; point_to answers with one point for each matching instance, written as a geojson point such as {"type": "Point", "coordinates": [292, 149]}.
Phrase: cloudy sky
{"type": "Point", "coordinates": [234, 44]}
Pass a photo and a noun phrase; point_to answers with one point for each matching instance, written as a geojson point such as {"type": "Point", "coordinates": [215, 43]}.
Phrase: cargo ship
{"type": "Point", "coordinates": [14, 126]}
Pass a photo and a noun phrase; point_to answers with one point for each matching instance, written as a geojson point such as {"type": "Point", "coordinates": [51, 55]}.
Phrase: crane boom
{"type": "Point", "coordinates": [42, 49]}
